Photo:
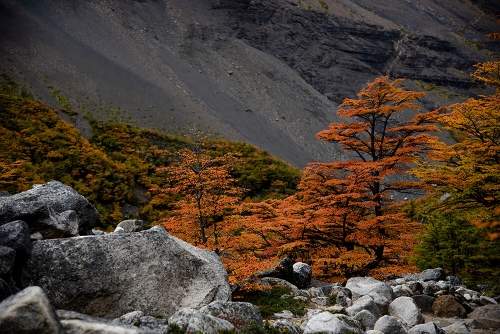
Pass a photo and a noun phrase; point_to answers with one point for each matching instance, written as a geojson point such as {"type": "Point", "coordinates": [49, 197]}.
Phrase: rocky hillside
{"type": "Point", "coordinates": [268, 72]}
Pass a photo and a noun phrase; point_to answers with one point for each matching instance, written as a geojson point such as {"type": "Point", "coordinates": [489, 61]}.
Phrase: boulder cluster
{"type": "Point", "coordinates": [58, 275]}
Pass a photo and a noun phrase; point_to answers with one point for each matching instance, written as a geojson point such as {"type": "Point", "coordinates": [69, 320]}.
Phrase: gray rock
{"type": "Point", "coordinates": [381, 301]}
{"type": "Point", "coordinates": [132, 225]}
{"type": "Point", "coordinates": [97, 232]}
{"type": "Point", "coordinates": [29, 311]}
{"type": "Point", "coordinates": [457, 328]}
{"type": "Point", "coordinates": [428, 328]}
{"type": "Point", "coordinates": [436, 274]}
{"type": "Point", "coordinates": [327, 323]}
{"type": "Point", "coordinates": [488, 315]}
{"type": "Point", "coordinates": [119, 230]}
{"type": "Point", "coordinates": [31, 206]}
{"type": "Point", "coordinates": [455, 281]}
{"type": "Point", "coordinates": [273, 281]}
{"type": "Point", "coordinates": [364, 303]}
{"type": "Point", "coordinates": [285, 314]}
{"type": "Point", "coordinates": [315, 292]}
{"type": "Point", "coordinates": [321, 301]}
{"type": "Point", "coordinates": [130, 318]}
{"type": "Point", "coordinates": [401, 291]}
{"type": "Point", "coordinates": [485, 300]}
{"type": "Point", "coordinates": [447, 307]}
{"type": "Point", "coordinates": [302, 275]}
{"type": "Point", "coordinates": [51, 224]}
{"type": "Point", "coordinates": [237, 313]}
{"type": "Point", "coordinates": [372, 331]}
{"type": "Point", "coordinates": [416, 287]}
{"type": "Point", "coordinates": [5, 290]}
{"type": "Point", "coordinates": [366, 319]}
{"type": "Point", "coordinates": [424, 302]}
{"type": "Point", "coordinates": [195, 321]}
{"type": "Point", "coordinates": [285, 326]}
{"type": "Point", "coordinates": [36, 236]}
{"type": "Point", "coordinates": [467, 294]}
{"type": "Point", "coordinates": [282, 270]}
{"type": "Point", "coordinates": [405, 309]}
{"type": "Point", "coordinates": [157, 324]}
{"type": "Point", "coordinates": [150, 270]}
{"type": "Point", "coordinates": [77, 323]}
{"type": "Point", "coordinates": [364, 285]}
{"type": "Point", "coordinates": [7, 258]}
{"type": "Point", "coordinates": [16, 235]}
{"type": "Point", "coordinates": [390, 325]}
{"type": "Point", "coordinates": [431, 288]}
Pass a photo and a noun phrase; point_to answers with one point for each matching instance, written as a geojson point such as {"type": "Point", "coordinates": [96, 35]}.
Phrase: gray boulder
{"type": "Point", "coordinates": [381, 301]}
{"type": "Point", "coordinates": [366, 319]}
{"type": "Point", "coordinates": [150, 271]}
{"type": "Point", "coordinates": [401, 291]}
{"type": "Point", "coordinates": [5, 290]}
{"type": "Point", "coordinates": [282, 270]}
{"type": "Point", "coordinates": [488, 315]}
{"type": "Point", "coordinates": [327, 323]}
{"type": "Point", "coordinates": [158, 325]}
{"type": "Point", "coordinates": [424, 302]}
{"type": "Point", "coordinates": [364, 285]}
{"type": "Point", "coordinates": [457, 328]}
{"type": "Point", "coordinates": [390, 325]}
{"type": "Point", "coordinates": [7, 257]}
{"type": "Point", "coordinates": [77, 323]}
{"type": "Point", "coordinates": [130, 318]}
{"type": "Point", "coordinates": [428, 328]}
{"type": "Point", "coordinates": [237, 313]}
{"type": "Point", "coordinates": [29, 311]}
{"type": "Point", "coordinates": [364, 303]}
{"type": "Point", "coordinates": [194, 321]}
{"type": "Point", "coordinates": [16, 235]}
{"type": "Point", "coordinates": [447, 307]}
{"type": "Point", "coordinates": [302, 275]}
{"type": "Point", "coordinates": [405, 309]}
{"type": "Point", "coordinates": [35, 204]}
{"type": "Point", "coordinates": [485, 300]}
{"type": "Point", "coordinates": [132, 225]}
{"type": "Point", "coordinates": [436, 274]}
{"type": "Point", "coordinates": [285, 326]}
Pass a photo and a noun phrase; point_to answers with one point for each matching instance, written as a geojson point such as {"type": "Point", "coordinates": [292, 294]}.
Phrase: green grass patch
{"type": "Point", "coordinates": [270, 301]}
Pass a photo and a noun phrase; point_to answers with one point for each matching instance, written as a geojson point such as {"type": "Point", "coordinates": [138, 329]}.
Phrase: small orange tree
{"type": "Point", "coordinates": [207, 190]}
{"type": "Point", "coordinates": [469, 170]}
{"type": "Point", "coordinates": [358, 215]}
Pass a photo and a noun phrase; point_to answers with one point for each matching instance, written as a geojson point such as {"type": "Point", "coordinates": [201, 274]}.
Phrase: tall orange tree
{"type": "Point", "coordinates": [355, 196]}
{"type": "Point", "coordinates": [207, 190]}
{"type": "Point", "coordinates": [469, 170]}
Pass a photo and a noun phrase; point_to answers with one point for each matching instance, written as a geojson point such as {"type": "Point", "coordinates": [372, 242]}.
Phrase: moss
{"type": "Point", "coordinates": [270, 301]}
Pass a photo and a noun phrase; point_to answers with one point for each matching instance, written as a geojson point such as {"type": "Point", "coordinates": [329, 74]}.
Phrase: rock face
{"type": "Point", "coordinates": [51, 206]}
{"type": "Point", "coordinates": [110, 275]}
{"type": "Point", "coordinates": [29, 311]}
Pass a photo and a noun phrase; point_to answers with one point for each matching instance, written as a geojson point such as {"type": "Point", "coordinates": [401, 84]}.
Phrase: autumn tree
{"type": "Point", "coordinates": [469, 170]}
{"type": "Point", "coordinates": [355, 196]}
{"type": "Point", "coordinates": [207, 189]}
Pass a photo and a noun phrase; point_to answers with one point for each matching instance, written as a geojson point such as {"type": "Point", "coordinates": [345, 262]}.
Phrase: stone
{"type": "Point", "coordinates": [77, 323]}
{"type": "Point", "coordinates": [149, 270]}
{"type": "Point", "coordinates": [302, 275]}
{"type": "Point", "coordinates": [157, 324]}
{"type": "Point", "coordinates": [431, 288]}
{"type": "Point", "coordinates": [51, 224]}
{"type": "Point", "coordinates": [364, 285]}
{"type": "Point", "coordinates": [16, 235]}
{"type": "Point", "coordinates": [467, 294]}
{"type": "Point", "coordinates": [97, 232]}
{"type": "Point", "coordinates": [194, 321]}
{"type": "Point", "coordinates": [390, 325]}
{"type": "Point", "coordinates": [32, 205]}
{"type": "Point", "coordinates": [381, 301]}
{"type": "Point", "coordinates": [485, 300]}
{"type": "Point", "coordinates": [327, 323]}
{"type": "Point", "coordinates": [321, 301]}
{"type": "Point", "coordinates": [7, 258]}
{"type": "Point", "coordinates": [132, 225]}
{"type": "Point", "coordinates": [119, 230]}
{"type": "Point", "coordinates": [406, 310]}
{"type": "Point", "coordinates": [428, 328]}
{"type": "Point", "coordinates": [130, 318]}
{"type": "Point", "coordinates": [436, 274]}
{"type": "Point", "coordinates": [315, 292]}
{"type": "Point", "coordinates": [401, 291]}
{"type": "Point", "coordinates": [335, 309]}
{"type": "Point", "coordinates": [364, 303]}
{"type": "Point", "coordinates": [282, 270]}
{"type": "Point", "coordinates": [457, 328]}
{"type": "Point", "coordinates": [5, 290]}
{"type": "Point", "coordinates": [374, 332]}
{"type": "Point", "coordinates": [29, 311]}
{"type": "Point", "coordinates": [365, 318]}
{"type": "Point", "coordinates": [285, 314]}
{"type": "Point", "coordinates": [237, 313]}
{"type": "Point", "coordinates": [285, 326]}
{"type": "Point", "coordinates": [424, 302]}
{"type": "Point", "coordinates": [455, 281]}
{"type": "Point", "coordinates": [415, 287]}
{"type": "Point", "coordinates": [273, 281]}
{"type": "Point", "coordinates": [36, 236]}
{"type": "Point", "coordinates": [489, 315]}
{"type": "Point", "coordinates": [446, 306]}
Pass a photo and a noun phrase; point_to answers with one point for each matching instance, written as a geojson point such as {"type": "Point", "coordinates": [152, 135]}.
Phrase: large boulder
{"type": "Point", "coordinates": [302, 275]}
{"type": "Point", "coordinates": [390, 325]}
{"type": "Point", "coordinates": [364, 303]}
{"type": "Point", "coordinates": [424, 302]}
{"type": "Point", "coordinates": [29, 311]}
{"type": "Point", "coordinates": [406, 310]}
{"type": "Point", "coordinates": [428, 328]}
{"type": "Point", "coordinates": [194, 321]}
{"type": "Point", "coordinates": [237, 313]}
{"type": "Point", "coordinates": [328, 323]}
{"type": "Point", "coordinates": [7, 257]}
{"type": "Point", "coordinates": [447, 307]}
{"type": "Point", "coordinates": [488, 315]}
{"type": "Point", "coordinates": [364, 285]}
{"type": "Point", "coordinates": [36, 206]}
{"type": "Point", "coordinates": [16, 235]}
{"type": "Point", "coordinates": [113, 274]}
{"type": "Point", "coordinates": [282, 270]}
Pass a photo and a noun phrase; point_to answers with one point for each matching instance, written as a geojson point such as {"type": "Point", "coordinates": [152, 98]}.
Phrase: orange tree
{"type": "Point", "coordinates": [469, 170]}
{"type": "Point", "coordinates": [207, 189]}
{"type": "Point", "coordinates": [358, 218]}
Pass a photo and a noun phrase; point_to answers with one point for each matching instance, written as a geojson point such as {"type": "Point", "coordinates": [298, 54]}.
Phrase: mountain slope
{"type": "Point", "coordinates": [268, 72]}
